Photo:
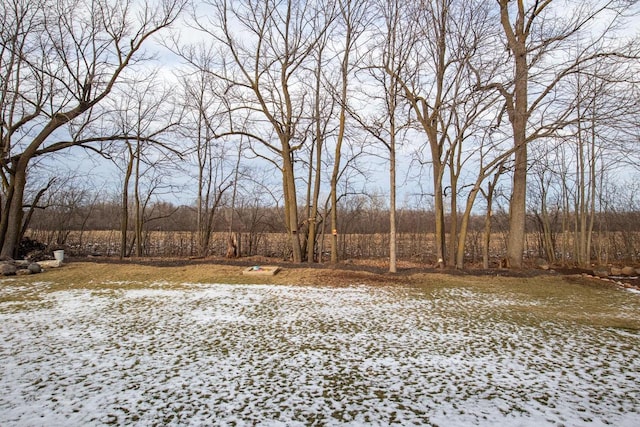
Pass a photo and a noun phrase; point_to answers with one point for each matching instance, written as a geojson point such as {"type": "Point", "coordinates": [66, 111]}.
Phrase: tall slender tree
{"type": "Point", "coordinates": [353, 20]}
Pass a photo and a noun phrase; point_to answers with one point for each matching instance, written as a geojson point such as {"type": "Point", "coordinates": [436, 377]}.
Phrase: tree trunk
{"type": "Point", "coordinates": [518, 203]}
{"type": "Point", "coordinates": [464, 226]}
{"type": "Point", "coordinates": [6, 207]}
{"type": "Point", "coordinates": [517, 109]}
{"type": "Point", "coordinates": [291, 204]}
{"type": "Point", "coordinates": [592, 192]}
{"type": "Point", "coordinates": [14, 217]}
{"type": "Point", "coordinates": [139, 220]}
{"type": "Point", "coordinates": [312, 197]}
{"type": "Point", "coordinates": [392, 206]}
{"type": "Point", "coordinates": [234, 238]}
{"type": "Point", "coordinates": [487, 219]}
{"type": "Point", "coordinates": [487, 236]}
{"type": "Point", "coordinates": [334, 220]}
{"type": "Point", "coordinates": [517, 211]}
{"type": "Point", "coordinates": [454, 238]}
{"type": "Point", "coordinates": [439, 213]}
{"type": "Point", "coordinates": [344, 72]}
{"type": "Point", "coordinates": [232, 246]}
{"type": "Point", "coordinates": [124, 213]}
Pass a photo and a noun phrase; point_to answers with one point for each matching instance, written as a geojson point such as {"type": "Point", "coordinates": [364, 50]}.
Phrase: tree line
{"type": "Point", "coordinates": [529, 108]}
{"type": "Point", "coordinates": [88, 225]}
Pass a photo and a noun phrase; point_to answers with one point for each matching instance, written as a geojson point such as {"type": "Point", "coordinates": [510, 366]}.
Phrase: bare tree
{"type": "Point", "coordinates": [60, 60]}
{"type": "Point", "coordinates": [569, 171]}
{"type": "Point", "coordinates": [387, 123]}
{"type": "Point", "coordinates": [320, 128]}
{"type": "Point", "coordinates": [540, 39]}
{"type": "Point", "coordinates": [353, 20]}
{"type": "Point", "coordinates": [606, 108]}
{"type": "Point", "coordinates": [440, 39]}
{"type": "Point", "coordinates": [215, 176]}
{"type": "Point", "coordinates": [544, 198]}
{"type": "Point", "coordinates": [144, 112]}
{"type": "Point", "coordinates": [264, 48]}
{"type": "Point", "coordinates": [425, 87]}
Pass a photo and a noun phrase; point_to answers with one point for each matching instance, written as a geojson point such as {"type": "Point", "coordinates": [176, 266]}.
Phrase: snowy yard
{"type": "Point", "coordinates": [165, 354]}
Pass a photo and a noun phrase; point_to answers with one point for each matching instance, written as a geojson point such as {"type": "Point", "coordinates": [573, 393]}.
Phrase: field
{"type": "Point", "coordinates": [616, 247]}
{"type": "Point", "coordinates": [120, 344]}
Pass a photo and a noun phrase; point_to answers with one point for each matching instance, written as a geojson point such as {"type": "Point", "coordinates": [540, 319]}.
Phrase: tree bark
{"type": "Point", "coordinates": [517, 108]}
{"type": "Point", "coordinates": [393, 246]}
{"type": "Point", "coordinates": [464, 226]}
{"type": "Point", "coordinates": [15, 212]}
{"type": "Point", "coordinates": [290, 203]}
{"type": "Point", "coordinates": [124, 213]}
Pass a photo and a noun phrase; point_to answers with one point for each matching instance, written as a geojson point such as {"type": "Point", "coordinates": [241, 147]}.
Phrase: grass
{"type": "Point", "coordinates": [97, 343]}
{"type": "Point", "coordinates": [551, 297]}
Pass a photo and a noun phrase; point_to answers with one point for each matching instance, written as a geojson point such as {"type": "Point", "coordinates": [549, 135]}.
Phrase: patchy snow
{"type": "Point", "coordinates": [286, 356]}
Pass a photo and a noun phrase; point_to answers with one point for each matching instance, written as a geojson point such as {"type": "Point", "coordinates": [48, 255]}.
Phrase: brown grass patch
{"type": "Point", "coordinates": [548, 296]}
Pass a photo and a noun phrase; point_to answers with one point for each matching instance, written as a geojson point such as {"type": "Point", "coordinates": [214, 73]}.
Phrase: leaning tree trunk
{"type": "Point", "coordinates": [464, 227]}
{"type": "Point", "coordinates": [14, 211]}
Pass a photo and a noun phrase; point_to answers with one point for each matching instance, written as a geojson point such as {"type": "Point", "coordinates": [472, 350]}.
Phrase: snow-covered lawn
{"type": "Point", "coordinates": [217, 354]}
